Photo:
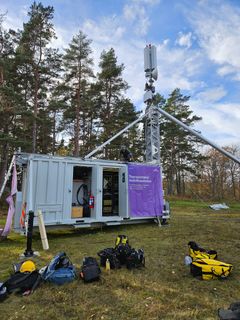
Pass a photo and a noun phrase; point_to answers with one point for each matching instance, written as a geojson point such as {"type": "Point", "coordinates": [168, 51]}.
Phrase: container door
{"type": "Point", "coordinates": [50, 189]}
{"type": "Point", "coordinates": [96, 191]}
{"type": "Point", "coordinates": [123, 192]}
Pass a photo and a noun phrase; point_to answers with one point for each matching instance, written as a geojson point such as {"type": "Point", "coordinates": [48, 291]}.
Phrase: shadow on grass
{"type": "Point", "coordinates": [68, 233]}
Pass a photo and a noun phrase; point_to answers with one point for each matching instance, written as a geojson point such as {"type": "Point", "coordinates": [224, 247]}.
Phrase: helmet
{"type": "Point", "coordinates": [28, 266]}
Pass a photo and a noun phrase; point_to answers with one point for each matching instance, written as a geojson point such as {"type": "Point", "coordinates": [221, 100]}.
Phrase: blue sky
{"type": "Point", "coordinates": [198, 49]}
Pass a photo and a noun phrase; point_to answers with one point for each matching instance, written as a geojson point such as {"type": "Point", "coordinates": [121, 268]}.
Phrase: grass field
{"type": "Point", "coordinates": [164, 289]}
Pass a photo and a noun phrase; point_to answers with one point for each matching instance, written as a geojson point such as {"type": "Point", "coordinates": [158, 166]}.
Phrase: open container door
{"type": "Point", "coordinates": [123, 192]}
{"type": "Point", "coordinates": [96, 192]}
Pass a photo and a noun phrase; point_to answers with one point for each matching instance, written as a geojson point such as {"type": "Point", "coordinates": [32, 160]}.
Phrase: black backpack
{"type": "Point", "coordinates": [22, 282]}
{"type": "Point", "coordinates": [90, 270]}
{"type": "Point", "coordinates": [111, 255]}
{"type": "Point", "coordinates": [136, 259]}
{"type": "Point", "coordinates": [123, 251]}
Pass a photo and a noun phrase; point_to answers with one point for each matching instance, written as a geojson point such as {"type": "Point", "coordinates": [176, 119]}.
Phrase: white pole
{"type": "Point", "coordinates": [42, 230]}
{"type": "Point", "coordinates": [195, 133]}
{"type": "Point", "coordinates": [7, 176]}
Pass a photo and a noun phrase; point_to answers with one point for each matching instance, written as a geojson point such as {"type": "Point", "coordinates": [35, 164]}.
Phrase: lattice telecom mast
{"type": "Point", "coordinates": [152, 122]}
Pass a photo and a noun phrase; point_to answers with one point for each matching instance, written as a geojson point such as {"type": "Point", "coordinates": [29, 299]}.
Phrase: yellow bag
{"type": "Point", "coordinates": [210, 269]}
{"type": "Point", "coordinates": [196, 252]}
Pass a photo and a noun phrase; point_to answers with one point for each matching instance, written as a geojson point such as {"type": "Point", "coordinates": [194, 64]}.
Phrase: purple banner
{"type": "Point", "coordinates": [145, 191]}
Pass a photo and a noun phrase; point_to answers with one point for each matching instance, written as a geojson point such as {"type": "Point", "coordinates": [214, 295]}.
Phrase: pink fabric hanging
{"type": "Point", "coordinates": [11, 210]}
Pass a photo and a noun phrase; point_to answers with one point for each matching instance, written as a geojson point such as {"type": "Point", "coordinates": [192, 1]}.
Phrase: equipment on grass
{"type": "Point", "coordinates": [136, 259]}
{"type": "Point", "coordinates": [187, 260]}
{"type": "Point", "coordinates": [90, 270]}
{"type": "Point", "coordinates": [60, 270]}
{"type": "Point", "coordinates": [122, 248]}
{"type": "Point", "coordinates": [123, 251]}
{"type": "Point", "coordinates": [23, 282]}
{"type": "Point", "coordinates": [27, 266]}
{"type": "Point", "coordinates": [196, 252]}
{"type": "Point", "coordinates": [107, 266]}
{"type": "Point", "coordinates": [111, 255]}
{"type": "Point", "coordinates": [209, 269]}
{"type": "Point", "coordinates": [121, 239]}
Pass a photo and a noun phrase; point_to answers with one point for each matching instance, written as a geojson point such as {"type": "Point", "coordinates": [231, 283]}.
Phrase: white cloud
{"type": "Point", "coordinates": [14, 20]}
{"type": "Point", "coordinates": [64, 37]}
{"type": "Point", "coordinates": [148, 2]}
{"type": "Point", "coordinates": [184, 39]}
{"type": "Point", "coordinates": [220, 121]}
{"type": "Point", "coordinates": [212, 94]}
{"type": "Point", "coordinates": [135, 13]}
{"type": "Point", "coordinates": [233, 108]}
{"type": "Point", "coordinates": [226, 70]}
{"type": "Point", "coordinates": [108, 30]}
{"type": "Point", "coordinates": [217, 26]}
{"type": "Point", "coordinates": [178, 67]}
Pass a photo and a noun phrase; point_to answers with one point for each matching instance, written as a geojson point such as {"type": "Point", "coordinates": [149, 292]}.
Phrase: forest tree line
{"type": "Point", "coordinates": [53, 102]}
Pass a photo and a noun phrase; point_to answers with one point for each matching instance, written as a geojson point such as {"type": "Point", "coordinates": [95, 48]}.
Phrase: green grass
{"type": "Point", "coordinates": [164, 289]}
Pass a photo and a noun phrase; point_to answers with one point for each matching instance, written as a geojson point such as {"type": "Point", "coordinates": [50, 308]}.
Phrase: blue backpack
{"type": "Point", "coordinates": [60, 270]}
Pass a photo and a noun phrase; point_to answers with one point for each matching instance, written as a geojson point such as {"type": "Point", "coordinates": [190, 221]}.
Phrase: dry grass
{"type": "Point", "coordinates": [163, 290]}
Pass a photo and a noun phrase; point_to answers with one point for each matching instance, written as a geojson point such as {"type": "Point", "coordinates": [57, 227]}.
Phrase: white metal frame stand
{"type": "Point", "coordinates": [7, 176]}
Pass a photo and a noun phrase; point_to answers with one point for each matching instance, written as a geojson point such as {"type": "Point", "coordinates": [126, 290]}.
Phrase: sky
{"type": "Point", "coordinates": [198, 49]}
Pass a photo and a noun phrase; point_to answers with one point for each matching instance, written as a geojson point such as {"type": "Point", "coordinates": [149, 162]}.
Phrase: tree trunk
{"type": "Point", "coordinates": [178, 183]}
{"type": "Point", "coordinates": [233, 184]}
{"type": "Point", "coordinates": [170, 183]}
{"type": "Point", "coordinates": [35, 111]}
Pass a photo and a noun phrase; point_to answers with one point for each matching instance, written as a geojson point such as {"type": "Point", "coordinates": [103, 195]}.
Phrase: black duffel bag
{"type": "Point", "coordinates": [111, 255]}
{"type": "Point", "coordinates": [135, 259]}
{"type": "Point", "coordinates": [90, 270]}
{"type": "Point", "coordinates": [23, 282]}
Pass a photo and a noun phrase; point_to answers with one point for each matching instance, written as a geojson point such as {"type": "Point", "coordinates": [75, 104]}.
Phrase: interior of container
{"type": "Point", "coordinates": [81, 190]}
{"type": "Point", "coordinates": [110, 192]}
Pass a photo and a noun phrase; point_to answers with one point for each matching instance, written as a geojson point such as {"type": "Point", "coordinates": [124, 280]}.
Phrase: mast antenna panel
{"type": "Point", "coordinates": [150, 58]}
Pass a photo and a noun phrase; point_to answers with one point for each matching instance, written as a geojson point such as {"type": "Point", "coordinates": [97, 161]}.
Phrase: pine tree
{"type": "Point", "coordinates": [116, 111]}
{"type": "Point", "coordinates": [179, 150]}
{"type": "Point", "coordinates": [32, 54]}
{"type": "Point", "coordinates": [78, 70]}
{"type": "Point", "coordinates": [51, 110]}
{"type": "Point", "coordinates": [10, 99]}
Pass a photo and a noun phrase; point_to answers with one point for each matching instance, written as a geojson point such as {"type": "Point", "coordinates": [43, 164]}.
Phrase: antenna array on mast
{"type": "Point", "coordinates": [152, 122]}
